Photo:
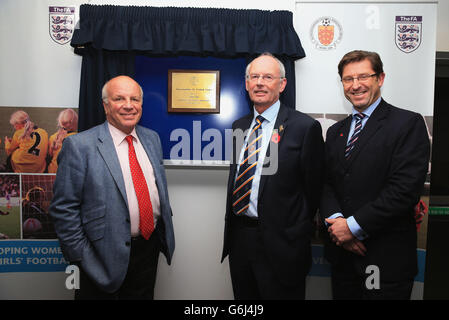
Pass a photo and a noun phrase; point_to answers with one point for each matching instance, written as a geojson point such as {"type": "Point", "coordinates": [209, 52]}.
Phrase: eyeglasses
{"type": "Point", "coordinates": [361, 78]}
{"type": "Point", "coordinates": [265, 77]}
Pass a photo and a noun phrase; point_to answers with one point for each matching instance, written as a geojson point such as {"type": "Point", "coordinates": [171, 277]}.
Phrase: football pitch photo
{"type": "Point", "coordinates": [10, 222]}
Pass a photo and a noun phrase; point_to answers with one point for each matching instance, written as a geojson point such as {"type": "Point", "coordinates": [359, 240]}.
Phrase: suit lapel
{"type": "Point", "coordinates": [374, 123]}
{"type": "Point", "coordinates": [342, 139]}
{"type": "Point", "coordinates": [149, 149]}
{"type": "Point", "coordinates": [243, 124]}
{"type": "Point", "coordinates": [106, 148]}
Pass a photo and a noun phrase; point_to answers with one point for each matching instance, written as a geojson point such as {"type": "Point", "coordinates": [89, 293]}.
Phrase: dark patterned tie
{"type": "Point", "coordinates": [355, 135]}
{"type": "Point", "coordinates": [245, 176]}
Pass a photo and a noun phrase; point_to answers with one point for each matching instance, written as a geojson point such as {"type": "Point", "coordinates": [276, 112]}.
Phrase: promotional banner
{"type": "Point", "coordinates": [28, 242]}
{"type": "Point", "coordinates": [31, 256]}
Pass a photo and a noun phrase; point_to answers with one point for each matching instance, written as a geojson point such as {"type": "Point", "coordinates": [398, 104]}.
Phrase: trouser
{"type": "Point", "coordinates": [140, 276]}
{"type": "Point", "coordinates": [251, 273]}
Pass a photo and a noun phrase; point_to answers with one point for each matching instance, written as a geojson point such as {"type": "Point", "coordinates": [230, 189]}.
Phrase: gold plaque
{"type": "Point", "coordinates": [194, 91]}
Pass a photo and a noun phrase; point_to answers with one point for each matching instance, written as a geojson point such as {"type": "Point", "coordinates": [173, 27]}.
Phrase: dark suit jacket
{"type": "Point", "coordinates": [379, 185]}
{"type": "Point", "coordinates": [288, 199]}
{"type": "Point", "coordinates": [90, 206]}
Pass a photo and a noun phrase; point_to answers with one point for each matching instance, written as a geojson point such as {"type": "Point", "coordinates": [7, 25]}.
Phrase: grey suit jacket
{"type": "Point", "coordinates": [90, 209]}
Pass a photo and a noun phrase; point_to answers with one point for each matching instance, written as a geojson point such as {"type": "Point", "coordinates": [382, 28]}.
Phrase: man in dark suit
{"type": "Point", "coordinates": [273, 190]}
{"type": "Point", "coordinates": [376, 164]}
{"type": "Point", "coordinates": [110, 207]}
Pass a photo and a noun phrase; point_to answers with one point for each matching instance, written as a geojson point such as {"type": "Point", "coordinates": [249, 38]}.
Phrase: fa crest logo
{"type": "Point", "coordinates": [408, 33]}
{"type": "Point", "coordinates": [61, 23]}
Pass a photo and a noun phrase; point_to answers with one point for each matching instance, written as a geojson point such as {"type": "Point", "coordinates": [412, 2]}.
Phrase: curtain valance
{"type": "Point", "coordinates": [204, 31]}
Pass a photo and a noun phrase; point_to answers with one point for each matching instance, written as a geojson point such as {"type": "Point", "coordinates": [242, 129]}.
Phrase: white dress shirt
{"type": "Point", "coordinates": [270, 116]}
{"type": "Point", "coordinates": [121, 147]}
{"type": "Point", "coordinates": [355, 228]}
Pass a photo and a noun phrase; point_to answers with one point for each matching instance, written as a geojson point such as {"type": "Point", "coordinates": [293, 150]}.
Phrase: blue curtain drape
{"type": "Point", "coordinates": [109, 37]}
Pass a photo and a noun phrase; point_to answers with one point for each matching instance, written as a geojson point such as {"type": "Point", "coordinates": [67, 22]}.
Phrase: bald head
{"type": "Point", "coordinates": [122, 102]}
{"type": "Point", "coordinates": [104, 93]}
{"type": "Point", "coordinates": [265, 81]}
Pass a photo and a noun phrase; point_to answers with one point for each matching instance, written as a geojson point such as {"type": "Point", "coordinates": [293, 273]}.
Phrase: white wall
{"type": "Point", "coordinates": [35, 70]}
{"type": "Point", "coordinates": [198, 198]}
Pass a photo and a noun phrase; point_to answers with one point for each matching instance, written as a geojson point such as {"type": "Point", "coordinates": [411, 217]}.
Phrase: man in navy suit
{"type": "Point", "coordinates": [269, 213]}
{"type": "Point", "coordinates": [376, 165]}
{"type": "Point", "coordinates": [96, 208]}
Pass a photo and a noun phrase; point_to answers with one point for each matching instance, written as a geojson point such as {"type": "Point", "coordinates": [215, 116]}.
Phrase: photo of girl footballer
{"type": "Point", "coordinates": [28, 147]}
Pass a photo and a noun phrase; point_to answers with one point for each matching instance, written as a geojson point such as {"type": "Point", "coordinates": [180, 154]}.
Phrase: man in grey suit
{"type": "Point", "coordinates": [105, 223]}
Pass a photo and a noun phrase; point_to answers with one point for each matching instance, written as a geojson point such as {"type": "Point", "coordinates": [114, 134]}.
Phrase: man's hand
{"type": "Point", "coordinates": [355, 246]}
{"type": "Point", "coordinates": [339, 230]}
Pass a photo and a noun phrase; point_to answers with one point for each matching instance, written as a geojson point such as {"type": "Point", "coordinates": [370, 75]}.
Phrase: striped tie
{"type": "Point", "coordinates": [244, 180]}
{"type": "Point", "coordinates": [355, 134]}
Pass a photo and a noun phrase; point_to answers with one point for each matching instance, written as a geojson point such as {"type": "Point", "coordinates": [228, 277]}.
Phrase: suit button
{"type": "Point", "coordinates": [127, 220]}
{"type": "Point", "coordinates": [127, 243]}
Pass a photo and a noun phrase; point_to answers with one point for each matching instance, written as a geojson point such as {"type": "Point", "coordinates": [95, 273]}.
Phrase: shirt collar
{"type": "Point", "coordinates": [118, 135]}
{"type": "Point", "coordinates": [368, 111]}
{"type": "Point", "coordinates": [271, 113]}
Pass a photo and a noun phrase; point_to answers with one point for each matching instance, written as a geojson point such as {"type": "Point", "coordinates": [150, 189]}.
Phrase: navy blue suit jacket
{"type": "Point", "coordinates": [289, 197]}
{"type": "Point", "coordinates": [379, 185]}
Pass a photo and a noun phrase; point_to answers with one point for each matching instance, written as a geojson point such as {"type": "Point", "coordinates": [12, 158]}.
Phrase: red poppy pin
{"type": "Point", "coordinates": [275, 137]}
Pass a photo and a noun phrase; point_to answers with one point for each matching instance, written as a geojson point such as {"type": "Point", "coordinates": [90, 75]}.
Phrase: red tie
{"type": "Point", "coordinates": [146, 224]}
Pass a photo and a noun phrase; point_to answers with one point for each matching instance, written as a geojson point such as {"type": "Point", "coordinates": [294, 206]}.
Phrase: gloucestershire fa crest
{"type": "Point", "coordinates": [326, 33]}
{"type": "Point", "coordinates": [408, 33]}
{"type": "Point", "coordinates": [61, 23]}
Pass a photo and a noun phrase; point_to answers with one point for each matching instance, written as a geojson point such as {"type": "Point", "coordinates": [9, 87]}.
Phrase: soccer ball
{"type": "Point", "coordinates": [32, 225]}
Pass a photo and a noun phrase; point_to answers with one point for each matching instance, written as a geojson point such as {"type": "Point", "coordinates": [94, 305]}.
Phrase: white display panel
{"type": "Point", "coordinates": [371, 26]}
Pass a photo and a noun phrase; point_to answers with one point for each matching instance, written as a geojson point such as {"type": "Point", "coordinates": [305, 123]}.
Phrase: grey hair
{"type": "Point", "coordinates": [104, 91]}
{"type": "Point", "coordinates": [281, 65]}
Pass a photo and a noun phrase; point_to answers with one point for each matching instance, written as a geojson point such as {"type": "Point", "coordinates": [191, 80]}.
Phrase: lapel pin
{"type": "Point", "coordinates": [275, 137]}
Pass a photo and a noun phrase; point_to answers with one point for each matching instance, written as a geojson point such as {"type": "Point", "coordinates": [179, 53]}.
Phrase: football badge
{"type": "Point", "coordinates": [326, 33]}
{"type": "Point", "coordinates": [61, 23]}
{"type": "Point", "coordinates": [408, 33]}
